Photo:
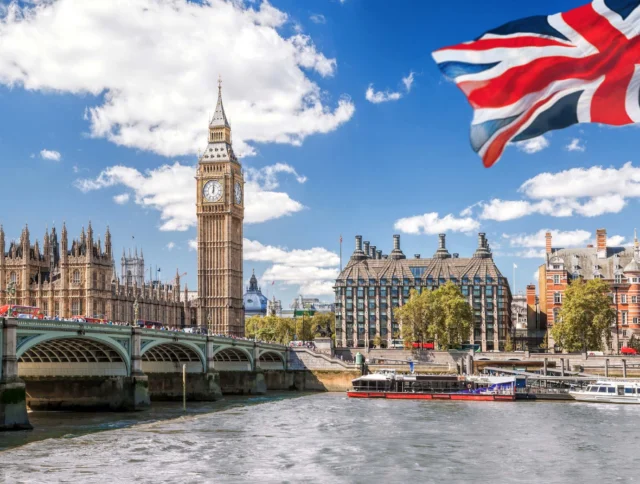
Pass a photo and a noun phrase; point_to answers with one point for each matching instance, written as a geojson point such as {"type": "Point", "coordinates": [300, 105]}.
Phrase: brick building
{"type": "Point", "coordinates": [372, 286]}
{"type": "Point", "coordinates": [619, 266]}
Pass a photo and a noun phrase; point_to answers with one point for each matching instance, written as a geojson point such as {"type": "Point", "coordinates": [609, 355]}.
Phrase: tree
{"type": "Point", "coordinates": [634, 343]}
{"type": "Point", "coordinates": [270, 328]}
{"type": "Point", "coordinates": [413, 317]}
{"type": "Point", "coordinates": [545, 342]}
{"type": "Point", "coordinates": [585, 317]}
{"type": "Point", "coordinates": [449, 316]}
{"type": "Point", "coordinates": [377, 341]}
{"type": "Point", "coordinates": [508, 344]}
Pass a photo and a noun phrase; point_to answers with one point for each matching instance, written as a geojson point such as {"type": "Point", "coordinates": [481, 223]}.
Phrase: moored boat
{"type": "Point", "coordinates": [605, 391]}
{"type": "Point", "coordinates": [388, 384]}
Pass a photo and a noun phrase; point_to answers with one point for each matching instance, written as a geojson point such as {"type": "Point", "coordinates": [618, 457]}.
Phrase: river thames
{"type": "Point", "coordinates": [326, 438]}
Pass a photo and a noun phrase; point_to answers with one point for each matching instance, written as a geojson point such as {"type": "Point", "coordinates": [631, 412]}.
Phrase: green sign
{"type": "Point", "coordinates": [303, 312]}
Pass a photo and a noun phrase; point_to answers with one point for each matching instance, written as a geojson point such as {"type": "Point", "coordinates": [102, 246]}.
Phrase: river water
{"type": "Point", "coordinates": [327, 438]}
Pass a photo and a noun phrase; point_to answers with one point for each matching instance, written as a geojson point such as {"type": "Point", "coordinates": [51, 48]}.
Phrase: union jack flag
{"type": "Point", "coordinates": [544, 73]}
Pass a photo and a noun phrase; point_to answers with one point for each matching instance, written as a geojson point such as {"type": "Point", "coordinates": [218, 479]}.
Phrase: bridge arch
{"type": "Point", "coordinates": [232, 358]}
{"type": "Point", "coordinates": [72, 355]}
{"type": "Point", "coordinates": [169, 356]}
{"type": "Point", "coordinates": [270, 360]}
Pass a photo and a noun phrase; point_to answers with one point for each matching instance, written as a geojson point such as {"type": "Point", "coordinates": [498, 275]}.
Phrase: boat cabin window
{"type": "Point", "coordinates": [611, 390]}
{"type": "Point", "coordinates": [602, 390]}
{"type": "Point", "coordinates": [630, 390]}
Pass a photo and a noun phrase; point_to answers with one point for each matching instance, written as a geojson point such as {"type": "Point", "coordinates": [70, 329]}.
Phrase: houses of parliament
{"type": "Point", "coordinates": [78, 277]}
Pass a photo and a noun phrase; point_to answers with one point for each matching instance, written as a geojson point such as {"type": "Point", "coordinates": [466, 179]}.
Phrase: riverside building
{"type": "Point", "coordinates": [618, 266]}
{"type": "Point", "coordinates": [372, 286]}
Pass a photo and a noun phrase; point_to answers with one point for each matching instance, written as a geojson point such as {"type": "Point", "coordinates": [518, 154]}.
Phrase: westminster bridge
{"type": "Point", "coordinates": [65, 365]}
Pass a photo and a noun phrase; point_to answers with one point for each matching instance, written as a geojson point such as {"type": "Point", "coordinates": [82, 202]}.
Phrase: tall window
{"type": "Point", "coordinates": [95, 280]}
{"type": "Point", "coordinates": [618, 278]}
{"type": "Point", "coordinates": [76, 308]}
{"type": "Point", "coordinates": [557, 298]}
{"type": "Point", "coordinates": [13, 277]}
{"type": "Point", "coordinates": [76, 277]}
{"type": "Point", "coordinates": [623, 298]}
{"type": "Point", "coordinates": [624, 317]}
{"type": "Point", "coordinates": [556, 314]}
{"type": "Point", "coordinates": [556, 279]}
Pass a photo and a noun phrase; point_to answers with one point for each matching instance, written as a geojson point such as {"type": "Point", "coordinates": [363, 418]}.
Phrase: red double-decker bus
{"type": "Point", "coordinates": [87, 319]}
{"type": "Point", "coordinates": [16, 311]}
{"type": "Point", "coordinates": [429, 345]}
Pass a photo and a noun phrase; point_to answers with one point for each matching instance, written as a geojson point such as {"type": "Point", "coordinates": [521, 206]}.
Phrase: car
{"type": "Point", "coordinates": [625, 350]}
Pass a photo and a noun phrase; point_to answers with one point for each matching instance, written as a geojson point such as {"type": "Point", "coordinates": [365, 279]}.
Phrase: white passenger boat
{"type": "Point", "coordinates": [609, 392]}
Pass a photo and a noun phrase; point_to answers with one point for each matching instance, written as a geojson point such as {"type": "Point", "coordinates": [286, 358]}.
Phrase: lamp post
{"type": "Point", "coordinates": [615, 287]}
{"type": "Point", "coordinates": [136, 309]}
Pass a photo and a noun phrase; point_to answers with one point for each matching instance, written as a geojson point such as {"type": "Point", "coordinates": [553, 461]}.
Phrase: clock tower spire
{"type": "Point", "coordinates": [220, 213]}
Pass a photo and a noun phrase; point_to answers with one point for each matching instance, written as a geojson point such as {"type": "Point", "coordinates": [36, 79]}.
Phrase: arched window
{"type": "Point", "coordinates": [13, 277]}
{"type": "Point", "coordinates": [76, 277]}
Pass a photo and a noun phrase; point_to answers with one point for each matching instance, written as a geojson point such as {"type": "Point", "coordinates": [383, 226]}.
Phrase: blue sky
{"type": "Point", "coordinates": [104, 104]}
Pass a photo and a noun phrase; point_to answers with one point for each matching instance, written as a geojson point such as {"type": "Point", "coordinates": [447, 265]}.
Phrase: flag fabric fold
{"type": "Point", "coordinates": [544, 73]}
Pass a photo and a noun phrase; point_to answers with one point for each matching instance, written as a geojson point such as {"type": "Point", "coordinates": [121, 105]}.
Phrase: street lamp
{"type": "Point", "coordinates": [615, 287]}
{"type": "Point", "coordinates": [136, 309]}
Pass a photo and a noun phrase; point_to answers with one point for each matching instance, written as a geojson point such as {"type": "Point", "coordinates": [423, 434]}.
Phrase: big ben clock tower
{"type": "Point", "coordinates": [220, 210]}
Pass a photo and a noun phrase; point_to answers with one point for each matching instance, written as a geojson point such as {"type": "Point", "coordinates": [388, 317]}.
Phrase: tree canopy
{"type": "Point", "coordinates": [443, 315]}
{"type": "Point", "coordinates": [276, 329]}
{"type": "Point", "coordinates": [585, 317]}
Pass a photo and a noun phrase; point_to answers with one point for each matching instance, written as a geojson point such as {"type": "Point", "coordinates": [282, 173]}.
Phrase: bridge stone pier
{"type": "Point", "coordinates": [64, 365]}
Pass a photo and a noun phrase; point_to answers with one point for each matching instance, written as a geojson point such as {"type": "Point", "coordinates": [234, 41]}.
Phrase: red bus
{"type": "Point", "coordinates": [15, 311]}
{"type": "Point", "coordinates": [430, 345]}
{"type": "Point", "coordinates": [626, 350]}
{"type": "Point", "coordinates": [150, 324]}
{"type": "Point", "coordinates": [87, 319]}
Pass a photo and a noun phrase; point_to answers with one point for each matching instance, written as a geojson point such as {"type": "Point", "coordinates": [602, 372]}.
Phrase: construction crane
{"type": "Point", "coordinates": [175, 281]}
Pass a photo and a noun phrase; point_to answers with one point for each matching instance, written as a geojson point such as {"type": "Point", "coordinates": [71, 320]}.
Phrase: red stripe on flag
{"type": "Point", "coordinates": [508, 43]}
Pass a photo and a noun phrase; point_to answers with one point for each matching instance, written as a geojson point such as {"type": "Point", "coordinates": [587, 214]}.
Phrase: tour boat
{"type": "Point", "coordinates": [388, 384]}
{"type": "Point", "coordinates": [609, 392]}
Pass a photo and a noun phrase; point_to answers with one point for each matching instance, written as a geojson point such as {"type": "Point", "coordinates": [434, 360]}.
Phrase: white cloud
{"type": "Point", "coordinates": [171, 190]}
{"type": "Point", "coordinates": [589, 192]}
{"type": "Point", "coordinates": [317, 256]}
{"type": "Point", "coordinates": [408, 81]}
{"type": "Point", "coordinates": [75, 168]}
{"type": "Point", "coordinates": [529, 254]}
{"type": "Point", "coordinates": [569, 238]}
{"type": "Point", "coordinates": [193, 244]}
{"type": "Point", "coordinates": [576, 144]}
{"type": "Point", "coordinates": [536, 275]}
{"type": "Point", "coordinates": [377, 97]}
{"type": "Point", "coordinates": [314, 270]}
{"type": "Point", "coordinates": [121, 199]}
{"type": "Point", "coordinates": [533, 145]}
{"type": "Point", "coordinates": [153, 65]}
{"type": "Point", "coordinates": [50, 155]}
{"type": "Point", "coordinates": [616, 240]}
{"type": "Point", "coordinates": [171, 245]}
{"type": "Point", "coordinates": [431, 223]}
{"type": "Point", "coordinates": [318, 18]}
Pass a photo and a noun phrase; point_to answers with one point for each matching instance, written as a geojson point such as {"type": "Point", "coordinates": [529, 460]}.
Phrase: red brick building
{"type": "Point", "coordinates": [619, 266]}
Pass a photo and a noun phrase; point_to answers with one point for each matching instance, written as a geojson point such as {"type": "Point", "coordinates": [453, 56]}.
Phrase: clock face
{"type": "Point", "coordinates": [237, 191]}
{"type": "Point", "coordinates": [212, 191]}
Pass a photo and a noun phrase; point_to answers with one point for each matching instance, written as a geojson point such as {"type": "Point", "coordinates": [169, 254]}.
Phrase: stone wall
{"type": "Point", "coordinates": [310, 380]}
{"type": "Point", "coordinates": [200, 387]}
{"type": "Point", "coordinates": [79, 393]}
{"type": "Point", "coordinates": [303, 359]}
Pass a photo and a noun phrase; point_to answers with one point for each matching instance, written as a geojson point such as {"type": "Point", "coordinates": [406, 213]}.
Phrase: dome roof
{"type": "Point", "coordinates": [254, 301]}
{"type": "Point", "coordinates": [632, 266]}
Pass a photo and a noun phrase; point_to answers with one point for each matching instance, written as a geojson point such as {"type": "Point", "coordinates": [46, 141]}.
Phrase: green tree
{"type": "Point", "coordinates": [377, 341]}
{"type": "Point", "coordinates": [449, 316]}
{"type": "Point", "coordinates": [508, 344]}
{"type": "Point", "coordinates": [413, 317]}
{"type": "Point", "coordinates": [585, 317]}
{"type": "Point", "coordinates": [270, 328]}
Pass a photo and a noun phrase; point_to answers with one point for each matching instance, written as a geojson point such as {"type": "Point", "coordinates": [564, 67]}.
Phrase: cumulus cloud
{"type": "Point", "coordinates": [193, 244]}
{"type": "Point", "coordinates": [568, 238]}
{"type": "Point", "coordinates": [50, 155]}
{"type": "Point", "coordinates": [589, 192]}
{"type": "Point", "coordinates": [533, 145]}
{"type": "Point", "coordinates": [576, 144]}
{"type": "Point", "coordinates": [318, 18]}
{"type": "Point", "coordinates": [431, 223]}
{"type": "Point", "coordinates": [314, 270]}
{"type": "Point", "coordinates": [171, 190]}
{"type": "Point", "coordinates": [153, 65]}
{"type": "Point", "coordinates": [121, 199]}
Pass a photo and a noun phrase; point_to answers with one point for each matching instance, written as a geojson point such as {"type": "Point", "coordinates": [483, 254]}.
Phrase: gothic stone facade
{"type": "Point", "coordinates": [79, 279]}
{"type": "Point", "coordinates": [220, 213]}
{"type": "Point", "coordinates": [372, 286]}
{"type": "Point", "coordinates": [619, 266]}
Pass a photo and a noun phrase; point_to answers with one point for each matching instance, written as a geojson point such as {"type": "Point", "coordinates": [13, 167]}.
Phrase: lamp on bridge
{"type": "Point", "coordinates": [136, 309]}
{"type": "Point", "coordinates": [11, 293]}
